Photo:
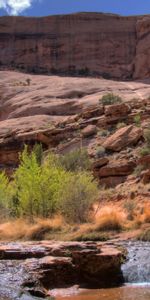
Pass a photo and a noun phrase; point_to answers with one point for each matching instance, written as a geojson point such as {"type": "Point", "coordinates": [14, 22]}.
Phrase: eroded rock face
{"type": "Point", "coordinates": [76, 263]}
{"type": "Point", "coordinates": [42, 266]}
{"type": "Point", "coordinates": [84, 43]}
{"type": "Point", "coordinates": [123, 137]}
{"type": "Point", "coordinates": [66, 113]}
{"type": "Point", "coordinates": [80, 44]}
{"type": "Point", "coordinates": [142, 63]}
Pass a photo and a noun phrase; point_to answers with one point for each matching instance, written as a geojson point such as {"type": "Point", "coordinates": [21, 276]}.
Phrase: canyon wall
{"type": "Point", "coordinates": [106, 45]}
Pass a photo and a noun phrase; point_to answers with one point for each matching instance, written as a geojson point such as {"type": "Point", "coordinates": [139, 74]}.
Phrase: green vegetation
{"type": "Point", "coordinates": [76, 194]}
{"type": "Point", "coordinates": [147, 136]}
{"type": "Point", "coordinates": [146, 149]}
{"type": "Point", "coordinates": [110, 99]}
{"type": "Point", "coordinates": [137, 120]}
{"type": "Point", "coordinates": [138, 170]}
{"type": "Point", "coordinates": [120, 125]}
{"type": "Point", "coordinates": [100, 152]}
{"type": "Point", "coordinates": [43, 187]}
{"type": "Point", "coordinates": [103, 133]}
{"type": "Point", "coordinates": [77, 160]}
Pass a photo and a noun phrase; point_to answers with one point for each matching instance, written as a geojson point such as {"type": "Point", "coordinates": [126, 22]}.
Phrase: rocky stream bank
{"type": "Point", "coordinates": [31, 270]}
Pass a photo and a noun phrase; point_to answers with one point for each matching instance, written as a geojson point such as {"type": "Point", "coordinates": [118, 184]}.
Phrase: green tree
{"type": "Point", "coordinates": [5, 195]}
{"type": "Point", "coordinates": [27, 180]}
{"type": "Point", "coordinates": [77, 193]}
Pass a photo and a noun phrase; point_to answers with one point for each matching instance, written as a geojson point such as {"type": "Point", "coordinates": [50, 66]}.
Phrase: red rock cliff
{"type": "Point", "coordinates": [83, 43]}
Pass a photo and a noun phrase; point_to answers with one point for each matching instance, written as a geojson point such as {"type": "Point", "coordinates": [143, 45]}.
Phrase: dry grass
{"type": "Point", "coordinates": [22, 229]}
{"type": "Point", "coordinates": [110, 219]}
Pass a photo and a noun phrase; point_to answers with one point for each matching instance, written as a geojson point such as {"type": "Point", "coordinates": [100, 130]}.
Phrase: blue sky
{"type": "Point", "coordinates": [50, 7]}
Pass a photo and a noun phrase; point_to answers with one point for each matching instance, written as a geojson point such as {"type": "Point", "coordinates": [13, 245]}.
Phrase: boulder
{"type": "Point", "coordinates": [112, 181]}
{"type": "Point", "coordinates": [144, 161]}
{"type": "Point", "coordinates": [92, 112]}
{"type": "Point", "coordinates": [118, 168]}
{"type": "Point", "coordinates": [85, 263]}
{"type": "Point", "coordinates": [89, 131]}
{"type": "Point", "coordinates": [122, 138]}
{"type": "Point", "coordinates": [145, 176]}
{"type": "Point", "coordinates": [117, 110]}
{"type": "Point", "coordinates": [97, 164]}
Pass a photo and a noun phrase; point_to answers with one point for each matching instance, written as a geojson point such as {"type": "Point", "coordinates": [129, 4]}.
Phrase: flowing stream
{"type": "Point", "coordinates": [136, 273]}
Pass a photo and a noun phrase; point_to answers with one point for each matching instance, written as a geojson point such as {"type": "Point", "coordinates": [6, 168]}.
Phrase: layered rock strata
{"type": "Point", "coordinates": [77, 44]}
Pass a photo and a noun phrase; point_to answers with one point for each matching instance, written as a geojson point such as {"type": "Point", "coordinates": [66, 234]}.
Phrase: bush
{"type": "Point", "coordinates": [120, 125]}
{"type": "Point", "coordinates": [145, 151]}
{"type": "Point", "coordinates": [147, 136]}
{"type": "Point", "coordinates": [76, 195]}
{"type": "Point", "coordinates": [109, 220]}
{"type": "Point", "coordinates": [43, 187]}
{"type": "Point", "coordinates": [100, 152]}
{"type": "Point", "coordinates": [103, 133]}
{"type": "Point", "coordinates": [76, 160]}
{"type": "Point", "coordinates": [5, 195]}
{"type": "Point", "coordinates": [110, 98]}
{"type": "Point", "coordinates": [36, 186]}
{"type": "Point", "coordinates": [137, 120]}
{"type": "Point", "coordinates": [138, 170]}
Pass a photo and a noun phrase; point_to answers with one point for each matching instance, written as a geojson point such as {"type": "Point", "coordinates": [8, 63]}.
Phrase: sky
{"type": "Point", "coordinates": [53, 7]}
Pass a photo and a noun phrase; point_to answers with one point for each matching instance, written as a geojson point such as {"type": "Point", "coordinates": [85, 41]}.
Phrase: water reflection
{"type": "Point", "coordinates": [122, 293]}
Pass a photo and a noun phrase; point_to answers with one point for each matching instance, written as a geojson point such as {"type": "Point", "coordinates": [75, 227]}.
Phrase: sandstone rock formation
{"type": "Point", "coordinates": [65, 113]}
{"type": "Point", "coordinates": [122, 138]}
{"type": "Point", "coordinates": [78, 44]}
{"type": "Point", "coordinates": [47, 264]}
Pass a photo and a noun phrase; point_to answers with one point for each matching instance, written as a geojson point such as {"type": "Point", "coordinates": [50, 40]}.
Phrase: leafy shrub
{"type": "Point", "coordinates": [42, 187]}
{"type": "Point", "coordinates": [138, 170]}
{"type": "Point", "coordinates": [144, 151]}
{"type": "Point", "coordinates": [137, 120]}
{"type": "Point", "coordinates": [76, 195]}
{"type": "Point", "coordinates": [110, 99]}
{"type": "Point", "coordinates": [75, 160]}
{"type": "Point", "coordinates": [5, 195]}
{"type": "Point", "coordinates": [36, 186]}
{"type": "Point", "coordinates": [147, 136]}
{"type": "Point", "coordinates": [38, 150]}
{"type": "Point", "coordinates": [103, 133]}
{"type": "Point", "coordinates": [120, 125]}
{"type": "Point", "coordinates": [100, 152]}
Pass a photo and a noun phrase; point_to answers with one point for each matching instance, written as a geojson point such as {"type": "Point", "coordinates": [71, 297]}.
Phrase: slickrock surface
{"type": "Point", "coordinates": [64, 113]}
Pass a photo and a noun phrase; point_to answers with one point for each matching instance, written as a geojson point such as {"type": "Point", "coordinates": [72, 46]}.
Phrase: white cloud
{"type": "Point", "coordinates": [15, 7]}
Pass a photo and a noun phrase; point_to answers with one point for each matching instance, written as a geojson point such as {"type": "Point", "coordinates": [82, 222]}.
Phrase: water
{"type": "Point", "coordinates": [137, 267]}
{"type": "Point", "coordinates": [122, 293]}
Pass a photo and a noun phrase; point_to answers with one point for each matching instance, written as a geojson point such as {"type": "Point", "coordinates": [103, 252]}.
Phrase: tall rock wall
{"type": "Point", "coordinates": [78, 44]}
